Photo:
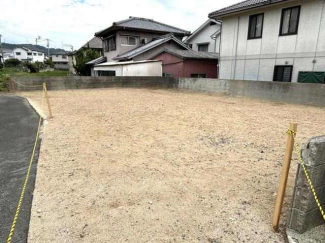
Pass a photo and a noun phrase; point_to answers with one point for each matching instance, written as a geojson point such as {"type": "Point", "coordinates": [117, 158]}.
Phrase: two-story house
{"type": "Point", "coordinates": [273, 40]}
{"type": "Point", "coordinates": [206, 38]}
{"type": "Point", "coordinates": [25, 54]}
{"type": "Point", "coordinates": [129, 34]}
{"type": "Point", "coordinates": [137, 39]}
{"type": "Point", "coordinates": [59, 58]}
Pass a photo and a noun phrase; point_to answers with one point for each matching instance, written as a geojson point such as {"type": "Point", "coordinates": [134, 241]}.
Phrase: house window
{"type": "Point", "coordinates": [255, 29]}
{"type": "Point", "coordinates": [57, 55]}
{"type": "Point", "coordinates": [203, 47]}
{"type": "Point", "coordinates": [64, 57]}
{"type": "Point", "coordinates": [35, 54]}
{"type": "Point", "coordinates": [282, 73]}
{"type": "Point", "coordinates": [128, 40]}
{"type": "Point", "coordinates": [290, 21]}
{"type": "Point", "coordinates": [18, 53]}
{"type": "Point", "coordinates": [28, 53]}
{"type": "Point", "coordinates": [190, 46]}
{"type": "Point", "coordinates": [106, 73]}
{"type": "Point", "coordinates": [168, 75]}
{"type": "Point", "coordinates": [40, 54]}
{"type": "Point", "coordinates": [198, 75]}
{"type": "Point", "coordinates": [110, 44]}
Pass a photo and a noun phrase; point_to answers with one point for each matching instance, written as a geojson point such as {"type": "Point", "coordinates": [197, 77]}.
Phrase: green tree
{"type": "Point", "coordinates": [82, 57]}
{"type": "Point", "coordinates": [49, 63]}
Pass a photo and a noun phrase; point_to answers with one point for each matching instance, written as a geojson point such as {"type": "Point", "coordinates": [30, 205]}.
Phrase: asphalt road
{"type": "Point", "coordinates": [18, 127]}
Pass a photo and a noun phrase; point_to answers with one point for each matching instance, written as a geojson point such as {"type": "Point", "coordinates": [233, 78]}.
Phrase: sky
{"type": "Point", "coordinates": [74, 22]}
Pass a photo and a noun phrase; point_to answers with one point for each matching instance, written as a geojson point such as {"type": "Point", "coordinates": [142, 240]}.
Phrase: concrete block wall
{"type": "Point", "coordinates": [310, 94]}
{"type": "Point", "coordinates": [305, 213]}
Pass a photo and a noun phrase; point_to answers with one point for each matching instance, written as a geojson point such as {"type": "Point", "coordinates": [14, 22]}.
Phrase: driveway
{"type": "Point", "coordinates": [18, 127]}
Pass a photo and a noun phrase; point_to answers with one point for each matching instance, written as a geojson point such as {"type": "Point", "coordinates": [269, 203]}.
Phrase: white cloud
{"type": "Point", "coordinates": [75, 21]}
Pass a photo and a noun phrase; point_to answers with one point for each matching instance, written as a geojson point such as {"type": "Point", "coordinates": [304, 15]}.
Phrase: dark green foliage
{"type": "Point", "coordinates": [49, 63]}
{"type": "Point", "coordinates": [82, 57]}
{"type": "Point", "coordinates": [4, 82]}
{"type": "Point", "coordinates": [32, 67]}
{"type": "Point", "coordinates": [12, 62]}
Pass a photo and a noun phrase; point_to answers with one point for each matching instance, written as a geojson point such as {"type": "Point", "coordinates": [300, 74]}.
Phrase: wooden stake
{"type": "Point", "coordinates": [47, 100]}
{"type": "Point", "coordinates": [284, 177]}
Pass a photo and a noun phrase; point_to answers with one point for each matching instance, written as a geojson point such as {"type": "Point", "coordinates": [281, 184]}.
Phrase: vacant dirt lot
{"type": "Point", "coordinates": [137, 165]}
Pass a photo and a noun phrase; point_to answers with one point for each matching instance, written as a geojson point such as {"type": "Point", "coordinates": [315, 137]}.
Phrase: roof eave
{"type": "Point", "coordinates": [217, 16]}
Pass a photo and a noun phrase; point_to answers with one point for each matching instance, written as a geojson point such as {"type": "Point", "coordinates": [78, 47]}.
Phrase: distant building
{"type": "Point", "coordinates": [60, 59]}
{"type": "Point", "coordinates": [188, 63]}
{"type": "Point", "coordinates": [27, 55]}
{"type": "Point", "coordinates": [206, 38]}
{"type": "Point", "coordinates": [282, 40]}
{"type": "Point", "coordinates": [129, 34]}
{"type": "Point", "coordinates": [95, 44]}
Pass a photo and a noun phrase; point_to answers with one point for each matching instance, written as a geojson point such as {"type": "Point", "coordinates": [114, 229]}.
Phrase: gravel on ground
{"type": "Point", "coordinates": [144, 165]}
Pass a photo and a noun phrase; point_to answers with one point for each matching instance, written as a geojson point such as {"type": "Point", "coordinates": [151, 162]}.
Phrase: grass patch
{"type": "Point", "coordinates": [7, 72]}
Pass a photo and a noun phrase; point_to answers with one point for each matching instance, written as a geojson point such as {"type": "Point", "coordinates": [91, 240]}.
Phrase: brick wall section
{"type": "Point", "coordinates": [304, 213]}
{"type": "Point", "coordinates": [296, 93]}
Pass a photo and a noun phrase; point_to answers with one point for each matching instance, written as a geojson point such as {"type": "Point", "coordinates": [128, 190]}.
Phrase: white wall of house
{"type": "Point", "coordinates": [28, 55]}
{"type": "Point", "coordinates": [204, 36]}
{"type": "Point", "coordinates": [255, 59]}
{"type": "Point", "coordinates": [132, 69]}
{"type": "Point", "coordinates": [38, 56]}
{"type": "Point", "coordinates": [21, 54]}
{"type": "Point", "coordinates": [59, 58]}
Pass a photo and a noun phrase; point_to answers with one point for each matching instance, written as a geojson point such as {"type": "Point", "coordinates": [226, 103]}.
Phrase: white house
{"type": "Point", "coordinates": [206, 37]}
{"type": "Point", "coordinates": [25, 54]}
{"type": "Point", "coordinates": [272, 40]}
{"type": "Point", "coordinates": [129, 68]}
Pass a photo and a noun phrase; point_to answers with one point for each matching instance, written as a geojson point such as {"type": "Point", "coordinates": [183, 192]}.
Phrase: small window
{"type": "Point", "coordinates": [64, 57]}
{"type": "Point", "coordinates": [29, 53]}
{"type": "Point", "coordinates": [57, 55]}
{"type": "Point", "coordinates": [18, 53]}
{"type": "Point", "coordinates": [190, 46]}
{"type": "Point", "coordinates": [198, 75]}
{"type": "Point", "coordinates": [290, 21]}
{"type": "Point", "coordinates": [203, 47]}
{"type": "Point", "coordinates": [128, 40]}
{"type": "Point", "coordinates": [255, 29]}
{"type": "Point", "coordinates": [106, 73]}
{"type": "Point", "coordinates": [168, 75]}
{"type": "Point", "coordinates": [282, 73]}
{"type": "Point", "coordinates": [40, 54]}
{"type": "Point", "coordinates": [110, 44]}
{"type": "Point", "coordinates": [35, 54]}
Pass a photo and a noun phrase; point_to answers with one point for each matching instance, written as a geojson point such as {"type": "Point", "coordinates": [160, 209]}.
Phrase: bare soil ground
{"type": "Point", "coordinates": [140, 165]}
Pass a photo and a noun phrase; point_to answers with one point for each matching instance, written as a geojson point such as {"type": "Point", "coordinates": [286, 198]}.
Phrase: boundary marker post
{"type": "Point", "coordinates": [284, 177]}
{"type": "Point", "coordinates": [47, 100]}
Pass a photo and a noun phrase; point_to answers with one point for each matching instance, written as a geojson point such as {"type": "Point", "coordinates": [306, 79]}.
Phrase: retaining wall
{"type": "Point", "coordinates": [305, 213]}
{"type": "Point", "coordinates": [311, 94]}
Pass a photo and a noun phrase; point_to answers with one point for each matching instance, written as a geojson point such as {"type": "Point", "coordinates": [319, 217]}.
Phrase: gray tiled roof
{"type": "Point", "coordinates": [190, 54]}
{"type": "Point", "coordinates": [94, 43]}
{"type": "Point", "coordinates": [243, 6]}
{"type": "Point", "coordinates": [152, 44]}
{"type": "Point", "coordinates": [97, 61]}
{"type": "Point", "coordinates": [145, 24]}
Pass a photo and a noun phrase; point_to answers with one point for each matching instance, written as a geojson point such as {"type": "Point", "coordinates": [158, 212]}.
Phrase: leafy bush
{"type": "Point", "coordinates": [82, 58]}
{"type": "Point", "coordinates": [32, 67]}
{"type": "Point", "coordinates": [4, 82]}
{"type": "Point", "coordinates": [49, 63]}
{"type": "Point", "coordinates": [13, 62]}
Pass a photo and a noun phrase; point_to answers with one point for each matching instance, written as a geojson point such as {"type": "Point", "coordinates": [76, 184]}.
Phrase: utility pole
{"type": "Point", "coordinates": [1, 50]}
{"type": "Point", "coordinates": [48, 47]}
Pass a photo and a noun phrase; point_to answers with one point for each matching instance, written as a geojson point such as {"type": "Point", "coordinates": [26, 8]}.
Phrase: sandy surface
{"type": "Point", "coordinates": [136, 165]}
